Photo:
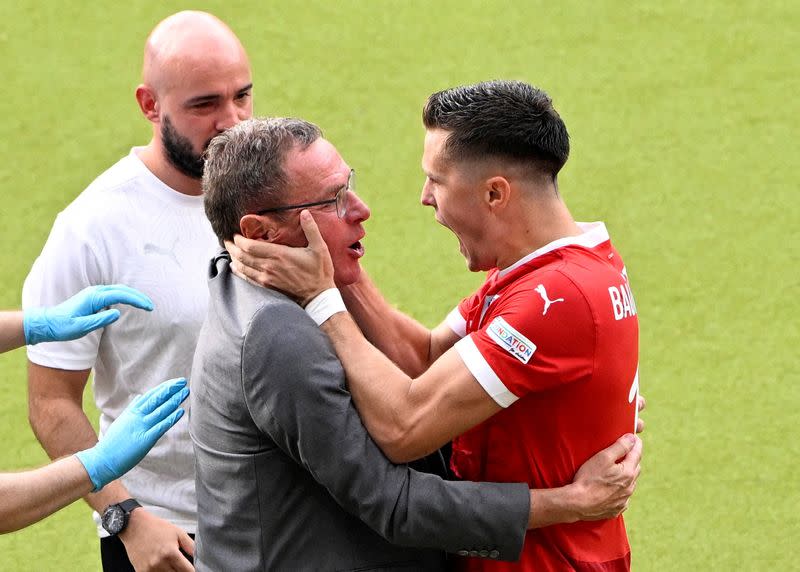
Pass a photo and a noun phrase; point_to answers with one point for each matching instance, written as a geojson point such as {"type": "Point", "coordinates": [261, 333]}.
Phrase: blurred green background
{"type": "Point", "coordinates": [684, 141]}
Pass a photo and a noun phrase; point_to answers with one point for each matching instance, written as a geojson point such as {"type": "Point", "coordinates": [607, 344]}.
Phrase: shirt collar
{"type": "Point", "coordinates": [594, 233]}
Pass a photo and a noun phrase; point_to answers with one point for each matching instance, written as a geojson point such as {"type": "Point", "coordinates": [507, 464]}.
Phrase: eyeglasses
{"type": "Point", "coordinates": [340, 199]}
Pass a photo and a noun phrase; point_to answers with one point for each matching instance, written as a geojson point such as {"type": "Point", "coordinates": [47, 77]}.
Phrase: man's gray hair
{"type": "Point", "coordinates": [244, 168]}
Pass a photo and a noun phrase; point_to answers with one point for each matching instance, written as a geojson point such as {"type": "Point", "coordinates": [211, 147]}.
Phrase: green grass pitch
{"type": "Point", "coordinates": [684, 125]}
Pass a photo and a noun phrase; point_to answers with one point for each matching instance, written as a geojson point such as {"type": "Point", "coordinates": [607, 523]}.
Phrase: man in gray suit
{"type": "Point", "coordinates": [287, 476]}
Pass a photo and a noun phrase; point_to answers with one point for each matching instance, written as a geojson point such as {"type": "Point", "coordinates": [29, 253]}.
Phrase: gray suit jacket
{"type": "Point", "coordinates": [287, 476]}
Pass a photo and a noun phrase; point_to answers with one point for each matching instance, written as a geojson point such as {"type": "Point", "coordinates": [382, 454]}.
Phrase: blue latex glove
{"type": "Point", "coordinates": [81, 314]}
{"type": "Point", "coordinates": [131, 436]}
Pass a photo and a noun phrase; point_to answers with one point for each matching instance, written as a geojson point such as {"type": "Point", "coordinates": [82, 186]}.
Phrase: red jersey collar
{"type": "Point", "coordinates": [594, 233]}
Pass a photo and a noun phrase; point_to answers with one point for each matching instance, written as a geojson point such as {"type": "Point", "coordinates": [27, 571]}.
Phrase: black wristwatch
{"type": "Point", "coordinates": [116, 516]}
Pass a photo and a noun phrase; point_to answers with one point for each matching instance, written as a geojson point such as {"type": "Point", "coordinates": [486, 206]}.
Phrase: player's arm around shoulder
{"type": "Point", "coordinates": [470, 381]}
{"type": "Point", "coordinates": [297, 396]}
{"type": "Point", "coordinates": [423, 413]}
{"type": "Point", "coordinates": [408, 418]}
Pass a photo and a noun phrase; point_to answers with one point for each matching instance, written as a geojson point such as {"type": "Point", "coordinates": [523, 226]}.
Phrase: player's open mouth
{"type": "Point", "coordinates": [357, 248]}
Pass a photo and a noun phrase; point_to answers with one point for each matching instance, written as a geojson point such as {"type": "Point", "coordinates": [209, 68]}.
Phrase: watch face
{"type": "Point", "coordinates": [113, 519]}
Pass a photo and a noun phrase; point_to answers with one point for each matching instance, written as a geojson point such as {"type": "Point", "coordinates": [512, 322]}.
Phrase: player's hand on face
{"type": "Point", "coordinates": [301, 272]}
{"type": "Point", "coordinates": [641, 403]}
{"type": "Point", "coordinates": [154, 545]}
{"type": "Point", "coordinates": [607, 480]}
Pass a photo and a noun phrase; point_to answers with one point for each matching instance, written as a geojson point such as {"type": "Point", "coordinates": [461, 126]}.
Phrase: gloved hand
{"type": "Point", "coordinates": [134, 432]}
{"type": "Point", "coordinates": [80, 314]}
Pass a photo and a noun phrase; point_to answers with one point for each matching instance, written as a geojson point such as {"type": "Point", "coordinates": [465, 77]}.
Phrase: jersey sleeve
{"type": "Point", "coordinates": [457, 318]}
{"type": "Point", "coordinates": [536, 337]}
{"type": "Point", "coordinates": [66, 265]}
{"type": "Point", "coordinates": [457, 322]}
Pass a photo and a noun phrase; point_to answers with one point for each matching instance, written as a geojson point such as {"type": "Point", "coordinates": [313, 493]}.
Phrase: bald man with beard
{"type": "Point", "coordinates": [142, 223]}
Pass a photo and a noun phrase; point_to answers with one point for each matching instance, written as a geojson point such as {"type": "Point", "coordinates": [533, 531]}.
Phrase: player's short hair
{"type": "Point", "coordinates": [244, 168]}
{"type": "Point", "coordinates": [500, 119]}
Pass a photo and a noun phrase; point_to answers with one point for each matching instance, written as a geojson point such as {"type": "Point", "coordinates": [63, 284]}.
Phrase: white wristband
{"type": "Point", "coordinates": [325, 304]}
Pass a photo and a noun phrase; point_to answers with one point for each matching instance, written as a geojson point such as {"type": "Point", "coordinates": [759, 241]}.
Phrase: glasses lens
{"type": "Point", "coordinates": [341, 196]}
{"type": "Point", "coordinates": [341, 203]}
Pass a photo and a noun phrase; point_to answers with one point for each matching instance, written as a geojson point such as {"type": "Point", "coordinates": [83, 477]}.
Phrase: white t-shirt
{"type": "Point", "coordinates": [129, 228]}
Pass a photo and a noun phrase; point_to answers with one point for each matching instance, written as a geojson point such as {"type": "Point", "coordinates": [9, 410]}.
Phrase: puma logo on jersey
{"type": "Point", "coordinates": [150, 248]}
{"type": "Point", "coordinates": [547, 301]}
{"type": "Point", "coordinates": [511, 340]}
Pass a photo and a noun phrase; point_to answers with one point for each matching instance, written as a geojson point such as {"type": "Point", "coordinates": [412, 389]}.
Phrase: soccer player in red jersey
{"type": "Point", "coordinates": [533, 373]}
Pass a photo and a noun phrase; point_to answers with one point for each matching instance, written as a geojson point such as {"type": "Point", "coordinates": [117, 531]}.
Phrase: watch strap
{"type": "Point", "coordinates": [128, 505]}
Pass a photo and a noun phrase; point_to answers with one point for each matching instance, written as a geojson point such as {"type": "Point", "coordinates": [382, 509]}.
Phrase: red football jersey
{"type": "Point", "coordinates": [554, 339]}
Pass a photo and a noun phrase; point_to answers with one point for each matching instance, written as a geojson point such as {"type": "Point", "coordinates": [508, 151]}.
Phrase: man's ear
{"type": "Point", "coordinates": [257, 227]}
{"type": "Point", "coordinates": [498, 192]}
{"type": "Point", "coordinates": [148, 102]}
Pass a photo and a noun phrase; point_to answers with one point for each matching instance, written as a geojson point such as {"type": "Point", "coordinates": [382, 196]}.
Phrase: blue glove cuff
{"type": "Point", "coordinates": [93, 464]}
{"type": "Point", "coordinates": [34, 325]}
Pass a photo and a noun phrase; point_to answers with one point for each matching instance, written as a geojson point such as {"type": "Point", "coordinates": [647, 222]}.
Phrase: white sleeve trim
{"type": "Point", "coordinates": [483, 372]}
{"type": "Point", "coordinates": [457, 322]}
{"type": "Point", "coordinates": [45, 355]}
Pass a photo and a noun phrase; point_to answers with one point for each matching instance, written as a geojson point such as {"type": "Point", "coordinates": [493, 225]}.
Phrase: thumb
{"type": "Point", "coordinates": [311, 230]}
{"type": "Point", "coordinates": [92, 322]}
{"type": "Point", "coordinates": [621, 447]}
{"type": "Point", "coordinates": [634, 456]}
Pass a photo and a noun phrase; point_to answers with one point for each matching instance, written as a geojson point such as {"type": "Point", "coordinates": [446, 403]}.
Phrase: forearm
{"type": "Point", "coordinates": [379, 388]}
{"type": "Point", "coordinates": [63, 429]}
{"type": "Point", "coordinates": [386, 406]}
{"type": "Point", "coordinates": [401, 338]}
{"type": "Point", "coordinates": [29, 496]}
{"type": "Point", "coordinates": [554, 506]}
{"type": "Point", "coordinates": [61, 426]}
{"type": "Point", "coordinates": [408, 418]}
{"type": "Point", "coordinates": [12, 335]}
{"type": "Point", "coordinates": [601, 489]}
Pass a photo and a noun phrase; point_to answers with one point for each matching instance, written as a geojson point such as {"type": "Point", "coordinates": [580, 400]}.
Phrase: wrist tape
{"type": "Point", "coordinates": [325, 304]}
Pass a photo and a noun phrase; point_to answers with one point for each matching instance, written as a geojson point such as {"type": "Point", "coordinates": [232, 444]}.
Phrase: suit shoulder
{"type": "Point", "coordinates": [279, 325]}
